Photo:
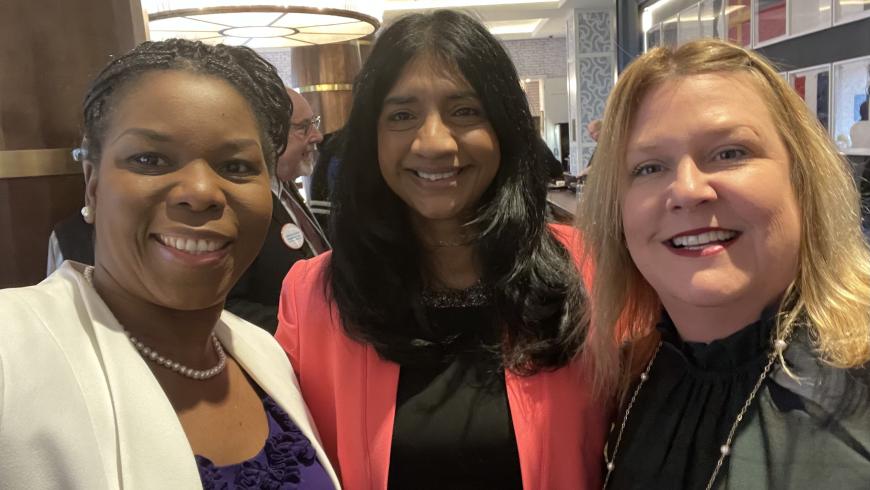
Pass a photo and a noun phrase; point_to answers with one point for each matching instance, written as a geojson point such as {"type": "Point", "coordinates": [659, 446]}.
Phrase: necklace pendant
{"type": "Point", "coordinates": [725, 449]}
{"type": "Point", "coordinates": [610, 466]}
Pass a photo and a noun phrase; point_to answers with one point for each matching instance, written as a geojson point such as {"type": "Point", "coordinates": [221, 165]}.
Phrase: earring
{"type": "Point", "coordinates": [86, 214]}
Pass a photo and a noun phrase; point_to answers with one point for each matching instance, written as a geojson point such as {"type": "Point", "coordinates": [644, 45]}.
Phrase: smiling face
{"type": "Point", "coordinates": [709, 213]}
{"type": "Point", "coordinates": [181, 195]}
{"type": "Point", "coordinates": [436, 148]}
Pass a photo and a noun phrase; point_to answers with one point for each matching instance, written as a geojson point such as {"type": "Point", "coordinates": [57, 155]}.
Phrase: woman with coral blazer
{"type": "Point", "coordinates": [436, 345]}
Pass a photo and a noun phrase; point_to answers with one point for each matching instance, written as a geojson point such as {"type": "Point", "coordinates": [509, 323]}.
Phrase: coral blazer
{"type": "Point", "coordinates": [351, 393]}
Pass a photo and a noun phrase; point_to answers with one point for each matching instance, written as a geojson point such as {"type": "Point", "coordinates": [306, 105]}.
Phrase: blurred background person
{"type": "Point", "coordinates": [323, 179]}
{"type": "Point", "coordinates": [294, 233]}
{"type": "Point", "coordinates": [128, 373]}
{"type": "Point", "coordinates": [434, 344]}
{"type": "Point", "coordinates": [71, 239]}
{"type": "Point", "coordinates": [594, 129]}
{"type": "Point", "coordinates": [725, 231]}
{"type": "Point", "coordinates": [859, 133]}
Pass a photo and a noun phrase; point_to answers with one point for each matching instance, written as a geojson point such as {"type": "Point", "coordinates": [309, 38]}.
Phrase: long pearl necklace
{"type": "Point", "coordinates": [154, 356]}
{"type": "Point", "coordinates": [779, 346]}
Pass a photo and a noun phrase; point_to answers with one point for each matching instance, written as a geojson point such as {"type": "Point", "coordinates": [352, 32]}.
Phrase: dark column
{"type": "Point", "coordinates": [629, 34]}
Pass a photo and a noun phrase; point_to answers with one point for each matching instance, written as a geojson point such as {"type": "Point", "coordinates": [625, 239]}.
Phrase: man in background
{"type": "Point", "coordinates": [323, 179]}
{"type": "Point", "coordinates": [293, 234]}
{"type": "Point", "coordinates": [860, 131]}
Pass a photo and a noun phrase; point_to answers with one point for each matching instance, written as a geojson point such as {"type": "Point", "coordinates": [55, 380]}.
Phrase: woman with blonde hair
{"type": "Point", "coordinates": [731, 271]}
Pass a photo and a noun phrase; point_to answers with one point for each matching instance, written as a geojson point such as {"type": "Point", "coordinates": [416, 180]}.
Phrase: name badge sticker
{"type": "Point", "coordinates": [292, 236]}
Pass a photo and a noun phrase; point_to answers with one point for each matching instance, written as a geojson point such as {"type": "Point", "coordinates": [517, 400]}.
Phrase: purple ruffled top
{"type": "Point", "coordinates": [286, 462]}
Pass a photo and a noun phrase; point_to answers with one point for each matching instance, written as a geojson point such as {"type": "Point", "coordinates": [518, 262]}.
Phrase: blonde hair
{"type": "Point", "coordinates": [830, 295]}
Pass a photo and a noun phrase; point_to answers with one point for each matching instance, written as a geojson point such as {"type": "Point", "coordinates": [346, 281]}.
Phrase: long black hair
{"type": "Point", "coordinates": [375, 271]}
{"type": "Point", "coordinates": [254, 78]}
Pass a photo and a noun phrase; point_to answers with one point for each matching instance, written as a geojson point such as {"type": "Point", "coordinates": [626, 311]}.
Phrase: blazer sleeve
{"type": "Point", "coordinates": [571, 239]}
{"type": "Point", "coordinates": [288, 316]}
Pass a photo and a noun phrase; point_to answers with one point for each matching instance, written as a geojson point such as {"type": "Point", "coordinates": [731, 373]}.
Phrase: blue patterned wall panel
{"type": "Point", "coordinates": [596, 81]}
{"type": "Point", "coordinates": [594, 32]}
{"type": "Point", "coordinates": [593, 64]}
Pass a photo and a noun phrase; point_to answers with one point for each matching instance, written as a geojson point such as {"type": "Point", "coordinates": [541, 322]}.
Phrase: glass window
{"type": "Point", "coordinates": [809, 15]}
{"type": "Point", "coordinates": [738, 19]}
{"type": "Point", "coordinates": [653, 37]}
{"type": "Point", "coordinates": [851, 125]}
{"type": "Point", "coordinates": [711, 19]}
{"type": "Point", "coordinates": [814, 87]}
{"type": "Point", "coordinates": [770, 20]}
{"type": "Point", "coordinates": [689, 29]}
{"type": "Point", "coordinates": [851, 9]}
{"type": "Point", "coordinates": [669, 32]}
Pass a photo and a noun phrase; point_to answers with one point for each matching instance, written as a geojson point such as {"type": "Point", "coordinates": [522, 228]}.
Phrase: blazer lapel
{"type": "Point", "coordinates": [284, 216]}
{"type": "Point", "coordinates": [381, 379]}
{"type": "Point", "coordinates": [153, 454]}
{"type": "Point", "coordinates": [279, 212]}
{"type": "Point", "coordinates": [271, 370]}
{"type": "Point", "coordinates": [525, 403]}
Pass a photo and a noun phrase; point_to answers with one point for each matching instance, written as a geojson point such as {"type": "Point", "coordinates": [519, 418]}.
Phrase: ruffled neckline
{"type": "Point", "coordinates": [737, 352]}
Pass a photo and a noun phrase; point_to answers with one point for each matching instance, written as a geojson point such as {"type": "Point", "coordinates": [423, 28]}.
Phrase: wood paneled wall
{"type": "Point", "coordinates": [50, 50]}
{"type": "Point", "coordinates": [31, 207]}
{"type": "Point", "coordinates": [324, 75]}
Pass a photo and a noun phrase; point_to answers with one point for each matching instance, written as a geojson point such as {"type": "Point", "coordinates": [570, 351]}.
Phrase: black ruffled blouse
{"type": "Point", "coordinates": [808, 432]}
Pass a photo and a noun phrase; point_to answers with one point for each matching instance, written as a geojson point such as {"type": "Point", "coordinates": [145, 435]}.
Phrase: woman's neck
{"type": "Point", "coordinates": [182, 336]}
{"type": "Point", "coordinates": [449, 253]}
{"type": "Point", "coordinates": [706, 324]}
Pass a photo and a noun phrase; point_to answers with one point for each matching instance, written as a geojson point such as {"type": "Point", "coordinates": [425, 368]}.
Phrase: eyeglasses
{"type": "Point", "coordinates": [304, 128]}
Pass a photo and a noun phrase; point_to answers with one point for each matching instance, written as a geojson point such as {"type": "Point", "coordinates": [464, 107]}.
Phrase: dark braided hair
{"type": "Point", "coordinates": [255, 79]}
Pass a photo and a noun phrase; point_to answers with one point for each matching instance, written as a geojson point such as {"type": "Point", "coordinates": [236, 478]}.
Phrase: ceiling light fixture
{"type": "Point", "coordinates": [469, 4]}
{"type": "Point", "coordinates": [507, 27]}
{"type": "Point", "coordinates": [263, 23]}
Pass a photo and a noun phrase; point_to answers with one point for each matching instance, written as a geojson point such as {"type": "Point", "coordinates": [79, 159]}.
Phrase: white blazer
{"type": "Point", "coordinates": [80, 409]}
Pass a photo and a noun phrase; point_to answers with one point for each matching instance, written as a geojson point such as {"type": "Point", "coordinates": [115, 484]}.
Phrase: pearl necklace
{"type": "Point", "coordinates": [154, 356]}
{"type": "Point", "coordinates": [779, 346]}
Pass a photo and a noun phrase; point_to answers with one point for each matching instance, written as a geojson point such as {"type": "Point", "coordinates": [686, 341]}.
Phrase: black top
{"type": "Point", "coordinates": [453, 424]}
{"type": "Point", "coordinates": [808, 435]}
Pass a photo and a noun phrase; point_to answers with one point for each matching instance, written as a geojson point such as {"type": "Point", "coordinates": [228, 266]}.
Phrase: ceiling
{"type": "Point", "coordinates": [517, 19]}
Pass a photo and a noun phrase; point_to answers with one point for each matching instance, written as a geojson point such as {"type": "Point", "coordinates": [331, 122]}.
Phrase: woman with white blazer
{"type": "Point", "coordinates": [129, 374]}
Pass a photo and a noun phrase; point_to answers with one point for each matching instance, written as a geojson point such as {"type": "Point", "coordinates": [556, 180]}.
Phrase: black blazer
{"type": "Point", "coordinates": [255, 296]}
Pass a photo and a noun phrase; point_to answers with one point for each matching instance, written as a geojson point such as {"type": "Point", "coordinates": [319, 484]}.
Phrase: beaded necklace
{"type": "Point", "coordinates": [779, 346]}
{"type": "Point", "coordinates": [154, 356]}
